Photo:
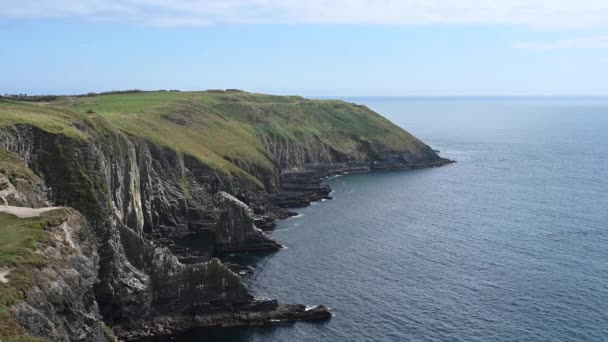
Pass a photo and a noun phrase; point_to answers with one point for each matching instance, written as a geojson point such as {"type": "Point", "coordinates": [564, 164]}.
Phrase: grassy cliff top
{"type": "Point", "coordinates": [216, 127]}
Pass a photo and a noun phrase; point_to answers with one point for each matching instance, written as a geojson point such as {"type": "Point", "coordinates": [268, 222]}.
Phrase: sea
{"type": "Point", "coordinates": [508, 244]}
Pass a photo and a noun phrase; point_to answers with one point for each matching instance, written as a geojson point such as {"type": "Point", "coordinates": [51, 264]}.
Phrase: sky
{"type": "Point", "coordinates": [310, 48]}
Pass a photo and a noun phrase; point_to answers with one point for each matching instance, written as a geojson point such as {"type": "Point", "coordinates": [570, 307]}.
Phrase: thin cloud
{"type": "Point", "coordinates": [539, 13]}
{"type": "Point", "coordinates": [596, 42]}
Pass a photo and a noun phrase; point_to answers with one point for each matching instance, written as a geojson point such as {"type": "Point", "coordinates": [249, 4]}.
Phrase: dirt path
{"type": "Point", "coordinates": [22, 212]}
{"type": "Point", "coordinates": [25, 212]}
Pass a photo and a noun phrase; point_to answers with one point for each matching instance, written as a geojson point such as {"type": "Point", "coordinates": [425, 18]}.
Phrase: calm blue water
{"type": "Point", "coordinates": [510, 244]}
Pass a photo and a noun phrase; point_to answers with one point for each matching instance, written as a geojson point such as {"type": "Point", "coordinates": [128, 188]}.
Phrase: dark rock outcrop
{"type": "Point", "coordinates": [235, 229]}
{"type": "Point", "coordinates": [261, 312]}
{"type": "Point", "coordinates": [300, 187]}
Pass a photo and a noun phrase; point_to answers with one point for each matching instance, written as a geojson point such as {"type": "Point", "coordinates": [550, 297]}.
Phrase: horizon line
{"type": "Point", "coordinates": [126, 91]}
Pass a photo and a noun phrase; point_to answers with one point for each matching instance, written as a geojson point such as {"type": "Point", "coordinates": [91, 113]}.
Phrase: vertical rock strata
{"type": "Point", "coordinates": [139, 202]}
{"type": "Point", "coordinates": [235, 228]}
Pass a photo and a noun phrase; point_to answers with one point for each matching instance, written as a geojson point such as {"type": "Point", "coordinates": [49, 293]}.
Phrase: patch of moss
{"type": "Point", "coordinates": [110, 333]}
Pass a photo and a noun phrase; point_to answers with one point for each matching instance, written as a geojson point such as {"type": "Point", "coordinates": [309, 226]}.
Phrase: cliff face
{"type": "Point", "coordinates": [302, 153]}
{"type": "Point", "coordinates": [131, 192]}
{"type": "Point", "coordinates": [290, 154]}
{"type": "Point", "coordinates": [235, 229]}
{"type": "Point", "coordinates": [55, 276]}
{"type": "Point", "coordinates": [144, 199]}
{"type": "Point", "coordinates": [61, 306]}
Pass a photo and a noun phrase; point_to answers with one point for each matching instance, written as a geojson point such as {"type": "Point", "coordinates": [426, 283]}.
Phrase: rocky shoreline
{"type": "Point", "coordinates": [160, 221]}
{"type": "Point", "coordinates": [261, 312]}
{"type": "Point", "coordinates": [299, 188]}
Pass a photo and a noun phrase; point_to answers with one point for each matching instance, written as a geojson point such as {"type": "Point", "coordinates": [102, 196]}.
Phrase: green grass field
{"type": "Point", "coordinates": [216, 127]}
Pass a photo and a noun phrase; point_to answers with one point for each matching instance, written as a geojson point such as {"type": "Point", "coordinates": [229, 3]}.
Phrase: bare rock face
{"type": "Point", "coordinates": [181, 289]}
{"type": "Point", "coordinates": [19, 191]}
{"type": "Point", "coordinates": [235, 229]}
{"type": "Point", "coordinates": [288, 154]}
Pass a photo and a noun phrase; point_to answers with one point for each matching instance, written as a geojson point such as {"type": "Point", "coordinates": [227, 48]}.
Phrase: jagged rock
{"type": "Point", "coordinates": [261, 312]}
{"type": "Point", "coordinates": [239, 269]}
{"type": "Point", "coordinates": [235, 229]}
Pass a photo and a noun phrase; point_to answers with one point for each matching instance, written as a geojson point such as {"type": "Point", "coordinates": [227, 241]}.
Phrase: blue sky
{"type": "Point", "coordinates": [321, 48]}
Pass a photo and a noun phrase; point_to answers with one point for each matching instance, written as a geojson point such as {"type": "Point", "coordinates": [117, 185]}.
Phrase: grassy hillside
{"type": "Point", "coordinates": [20, 237]}
{"type": "Point", "coordinates": [216, 127]}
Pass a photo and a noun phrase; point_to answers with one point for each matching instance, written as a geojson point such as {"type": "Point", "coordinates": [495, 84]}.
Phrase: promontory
{"type": "Point", "coordinates": [102, 196]}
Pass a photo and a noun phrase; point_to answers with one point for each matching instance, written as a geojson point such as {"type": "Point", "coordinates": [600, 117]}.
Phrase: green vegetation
{"type": "Point", "coordinates": [110, 333]}
{"type": "Point", "coordinates": [20, 237]}
{"type": "Point", "coordinates": [54, 120]}
{"type": "Point", "coordinates": [25, 97]}
{"type": "Point", "coordinates": [219, 128]}
{"type": "Point", "coordinates": [13, 167]}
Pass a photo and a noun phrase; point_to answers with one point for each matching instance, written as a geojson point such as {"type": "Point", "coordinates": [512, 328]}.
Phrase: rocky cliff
{"type": "Point", "coordinates": [48, 265]}
{"type": "Point", "coordinates": [144, 198]}
{"type": "Point", "coordinates": [61, 305]}
{"type": "Point", "coordinates": [235, 230]}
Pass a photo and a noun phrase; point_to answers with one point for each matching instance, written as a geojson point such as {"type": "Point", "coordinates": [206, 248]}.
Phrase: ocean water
{"type": "Point", "coordinates": [509, 244]}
